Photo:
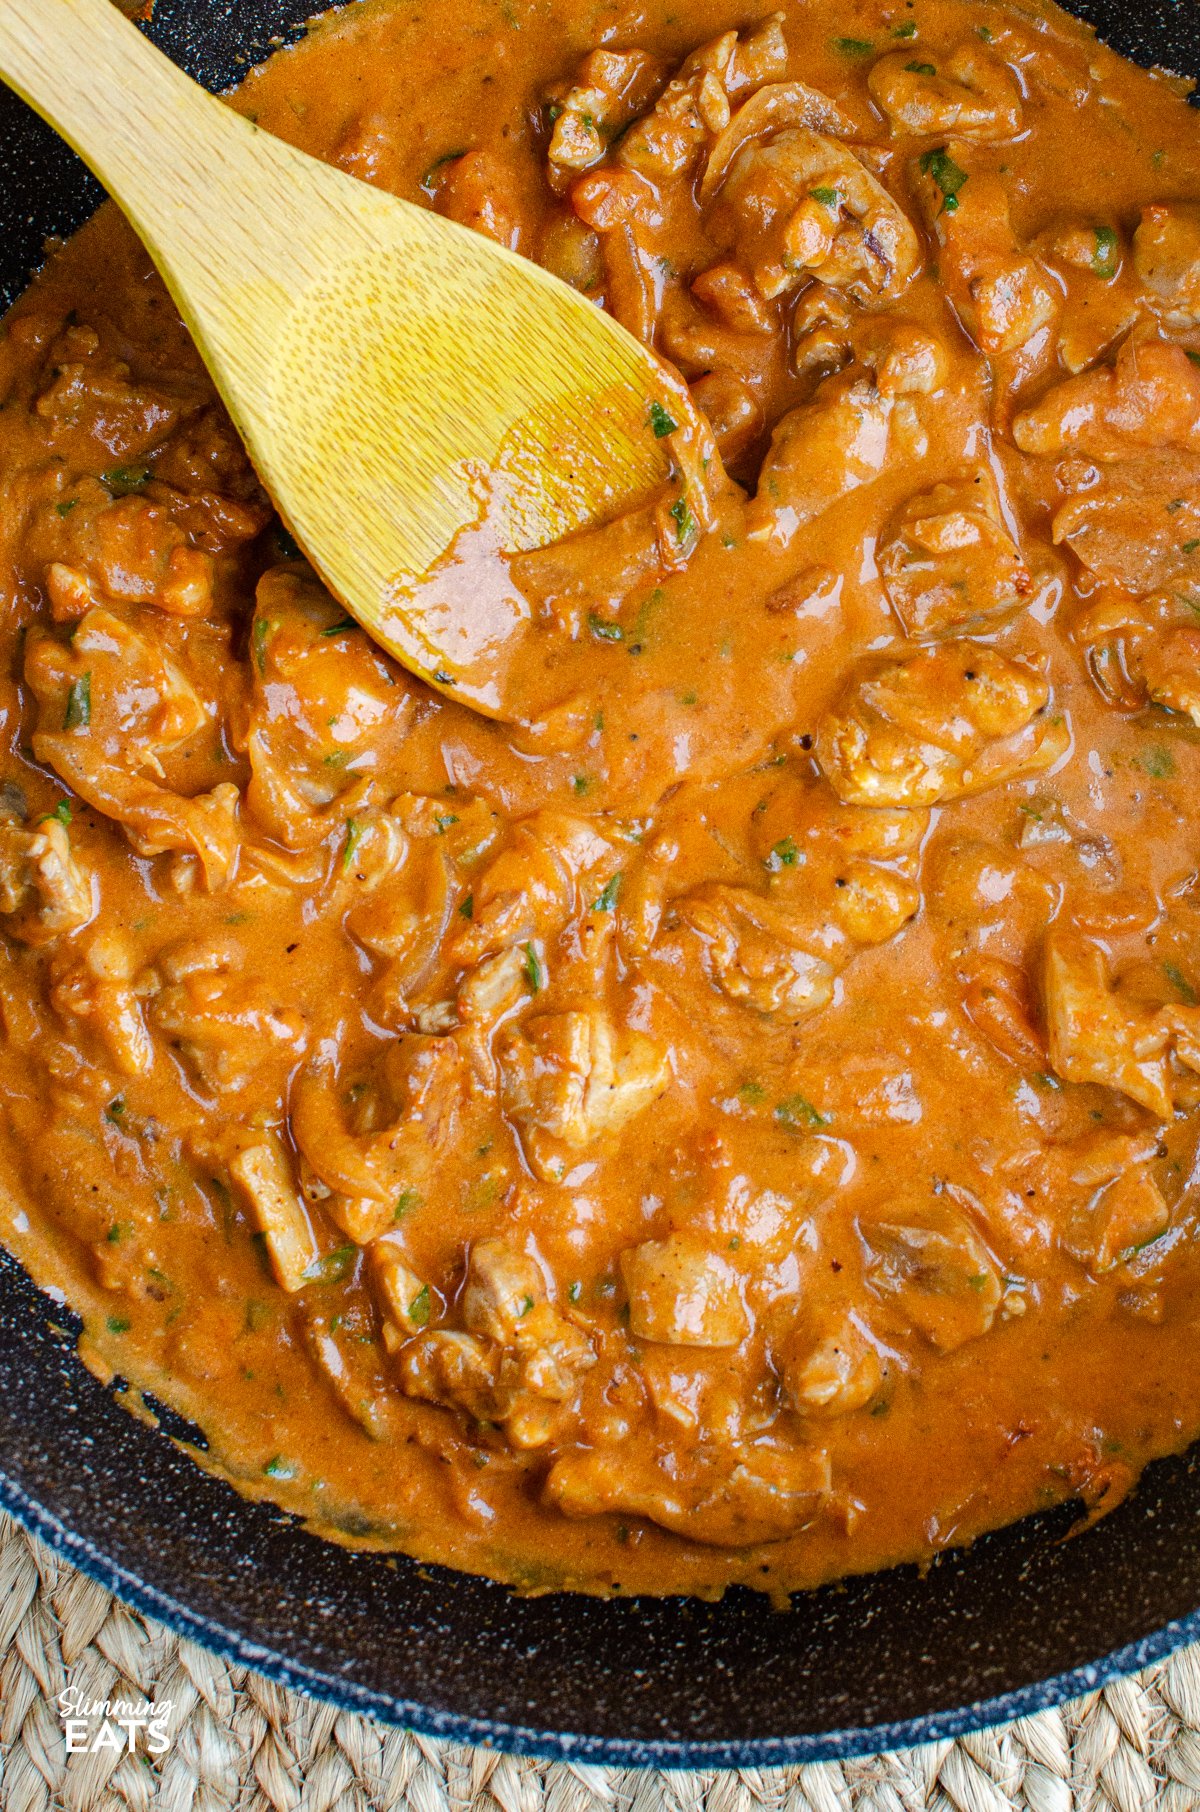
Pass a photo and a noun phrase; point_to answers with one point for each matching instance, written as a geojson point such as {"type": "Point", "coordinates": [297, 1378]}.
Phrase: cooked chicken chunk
{"type": "Point", "coordinates": [683, 1294]}
{"type": "Point", "coordinates": [837, 879]}
{"type": "Point", "coordinates": [1148, 397]}
{"type": "Point", "coordinates": [369, 1152]}
{"type": "Point", "coordinates": [756, 1493]}
{"type": "Point", "coordinates": [610, 89]}
{"type": "Point", "coordinates": [829, 1368]}
{"type": "Point", "coordinates": [1096, 1035]}
{"type": "Point", "coordinates": [694, 107]}
{"type": "Point", "coordinates": [567, 1079]}
{"type": "Point", "coordinates": [44, 891]}
{"type": "Point", "coordinates": [519, 1362]}
{"type": "Point", "coordinates": [818, 453]}
{"type": "Point", "coordinates": [799, 204]}
{"type": "Point", "coordinates": [223, 1024]}
{"type": "Point", "coordinates": [1120, 1208]}
{"type": "Point", "coordinates": [1002, 295]}
{"type": "Point", "coordinates": [953, 720]}
{"type": "Point", "coordinates": [327, 707]}
{"type": "Point", "coordinates": [1166, 256]}
{"type": "Point", "coordinates": [113, 707]}
{"type": "Point", "coordinates": [1135, 523]}
{"type": "Point", "coordinates": [264, 1176]}
{"type": "Point", "coordinates": [927, 1259]}
{"type": "Point", "coordinates": [948, 562]}
{"type": "Point", "coordinates": [970, 93]}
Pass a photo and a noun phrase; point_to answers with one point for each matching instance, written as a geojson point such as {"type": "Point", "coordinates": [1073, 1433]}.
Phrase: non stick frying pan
{"type": "Point", "coordinates": [1022, 1620]}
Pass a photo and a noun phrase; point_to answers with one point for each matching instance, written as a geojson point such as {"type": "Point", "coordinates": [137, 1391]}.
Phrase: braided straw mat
{"type": "Point", "coordinates": [240, 1742]}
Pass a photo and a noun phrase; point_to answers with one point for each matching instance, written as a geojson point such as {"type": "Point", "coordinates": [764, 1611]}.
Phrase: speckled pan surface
{"type": "Point", "coordinates": [1022, 1620]}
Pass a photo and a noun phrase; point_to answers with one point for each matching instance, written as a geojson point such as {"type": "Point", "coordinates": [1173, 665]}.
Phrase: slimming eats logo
{"type": "Point", "coordinates": [124, 1726]}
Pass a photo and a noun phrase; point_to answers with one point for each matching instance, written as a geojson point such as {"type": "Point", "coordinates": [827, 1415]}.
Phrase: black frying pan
{"type": "Point", "coordinates": [1022, 1620]}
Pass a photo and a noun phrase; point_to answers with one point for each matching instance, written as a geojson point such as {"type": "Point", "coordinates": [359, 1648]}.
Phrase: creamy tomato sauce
{"type": "Point", "coordinates": [737, 1124]}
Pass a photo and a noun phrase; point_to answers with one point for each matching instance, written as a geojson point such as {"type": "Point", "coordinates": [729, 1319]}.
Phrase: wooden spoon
{"type": "Point", "coordinates": [405, 387]}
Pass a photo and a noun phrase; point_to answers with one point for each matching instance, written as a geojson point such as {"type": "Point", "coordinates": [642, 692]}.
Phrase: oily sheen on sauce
{"type": "Point", "coordinates": [737, 1124]}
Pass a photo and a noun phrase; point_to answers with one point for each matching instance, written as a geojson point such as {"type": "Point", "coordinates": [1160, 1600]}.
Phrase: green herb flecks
{"type": "Point", "coordinates": [334, 1268]}
{"type": "Point", "coordinates": [279, 1468]}
{"type": "Point", "coordinates": [1104, 257]}
{"type": "Point", "coordinates": [853, 47]}
{"type": "Point", "coordinates": [920, 69]}
{"type": "Point", "coordinates": [65, 508]}
{"type": "Point", "coordinates": [78, 714]}
{"type": "Point", "coordinates": [118, 1324]}
{"type": "Point", "coordinates": [783, 854]}
{"type": "Point", "coordinates": [661, 422]}
{"type": "Point", "coordinates": [533, 969]}
{"type": "Point", "coordinates": [420, 1307]}
{"type": "Point", "coordinates": [429, 179]}
{"type": "Point", "coordinates": [1158, 762]}
{"type": "Point", "coordinates": [406, 1201]}
{"type": "Point", "coordinates": [339, 627]}
{"type": "Point", "coordinates": [828, 198]}
{"type": "Point", "coordinates": [60, 815]}
{"type": "Point", "coordinates": [799, 1115]}
{"type": "Point", "coordinates": [354, 836]}
{"type": "Point", "coordinates": [946, 174]}
{"type": "Point", "coordinates": [1181, 984]}
{"type": "Point", "coordinates": [907, 30]}
{"type": "Point", "coordinates": [258, 637]}
{"type": "Point", "coordinates": [608, 896]}
{"type": "Point", "coordinates": [604, 630]}
{"type": "Point", "coordinates": [123, 480]}
{"type": "Point", "coordinates": [685, 522]}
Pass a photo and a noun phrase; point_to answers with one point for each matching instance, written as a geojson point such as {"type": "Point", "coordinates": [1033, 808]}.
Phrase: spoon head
{"type": "Point", "coordinates": [432, 402]}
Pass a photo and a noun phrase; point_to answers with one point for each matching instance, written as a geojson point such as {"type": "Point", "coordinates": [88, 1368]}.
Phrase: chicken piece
{"type": "Point", "coordinates": [44, 892]}
{"type": "Point", "coordinates": [929, 1261]}
{"type": "Point", "coordinates": [968, 94]}
{"type": "Point", "coordinates": [204, 477]}
{"type": "Point", "coordinates": [369, 1151]}
{"type": "Point", "coordinates": [568, 1079]}
{"type": "Point", "coordinates": [1166, 256]}
{"type": "Point", "coordinates": [694, 108]}
{"type": "Point", "coordinates": [405, 1302]}
{"type": "Point", "coordinates": [732, 411]}
{"type": "Point", "coordinates": [754, 952]}
{"type": "Point", "coordinates": [570, 250]}
{"type": "Point", "coordinates": [552, 867]}
{"type": "Point", "coordinates": [223, 1025]}
{"type": "Point", "coordinates": [94, 413]}
{"type": "Point", "coordinates": [683, 1294]}
{"type": "Point", "coordinates": [519, 1361]}
{"type": "Point", "coordinates": [610, 89]}
{"type": "Point", "coordinates": [1089, 256]}
{"type": "Point", "coordinates": [838, 879]}
{"type": "Point", "coordinates": [1148, 397]}
{"type": "Point", "coordinates": [1097, 1035]}
{"type": "Point", "coordinates": [91, 548]}
{"type": "Point", "coordinates": [997, 999]}
{"type": "Point", "coordinates": [819, 452]}
{"type": "Point", "coordinates": [342, 1344]}
{"type": "Point", "coordinates": [403, 917]}
{"type": "Point", "coordinates": [1144, 651]}
{"type": "Point", "coordinates": [1135, 523]}
{"type": "Point", "coordinates": [772, 109]}
{"type": "Point", "coordinates": [97, 983]}
{"type": "Point", "coordinates": [829, 1367]}
{"type": "Point", "coordinates": [113, 707]}
{"type": "Point", "coordinates": [1002, 296]}
{"type": "Point", "coordinates": [480, 190]}
{"type": "Point", "coordinates": [731, 1497]}
{"type": "Point", "coordinates": [624, 211]}
{"type": "Point", "coordinates": [263, 1175]}
{"type": "Point", "coordinates": [1122, 1207]}
{"type": "Point", "coordinates": [953, 720]}
{"type": "Point", "coordinates": [800, 204]}
{"type": "Point", "coordinates": [948, 562]}
{"type": "Point", "coordinates": [327, 709]}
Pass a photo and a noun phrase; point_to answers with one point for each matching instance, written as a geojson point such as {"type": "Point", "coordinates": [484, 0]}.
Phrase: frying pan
{"type": "Point", "coordinates": [1022, 1620]}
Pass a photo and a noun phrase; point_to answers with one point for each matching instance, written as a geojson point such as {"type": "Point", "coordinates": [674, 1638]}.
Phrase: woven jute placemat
{"type": "Point", "coordinates": [238, 1741]}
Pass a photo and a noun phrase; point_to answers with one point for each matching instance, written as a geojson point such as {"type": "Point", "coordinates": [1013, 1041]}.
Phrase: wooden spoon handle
{"type": "Point", "coordinates": [147, 131]}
